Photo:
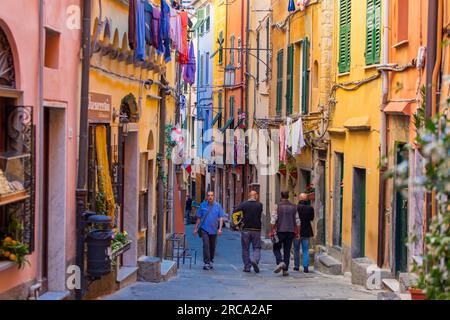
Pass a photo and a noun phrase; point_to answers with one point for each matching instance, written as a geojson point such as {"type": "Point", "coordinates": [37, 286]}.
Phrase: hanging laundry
{"type": "Point", "coordinates": [190, 68]}
{"type": "Point", "coordinates": [288, 139]}
{"type": "Point", "coordinates": [132, 38]}
{"type": "Point", "coordinates": [156, 22]}
{"type": "Point", "coordinates": [148, 23]}
{"type": "Point", "coordinates": [175, 28]}
{"type": "Point", "coordinates": [164, 30]}
{"type": "Point", "coordinates": [298, 142]}
{"type": "Point", "coordinates": [302, 4]}
{"type": "Point", "coordinates": [283, 157]}
{"type": "Point", "coordinates": [291, 6]}
{"type": "Point", "coordinates": [140, 30]}
{"type": "Point", "coordinates": [184, 56]}
{"type": "Point", "coordinates": [179, 31]}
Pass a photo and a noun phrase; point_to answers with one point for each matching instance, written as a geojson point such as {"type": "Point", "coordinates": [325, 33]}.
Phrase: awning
{"type": "Point", "coordinates": [398, 108]}
{"type": "Point", "coordinates": [227, 125]}
{"type": "Point", "coordinates": [358, 124]}
{"type": "Point", "coordinates": [216, 119]}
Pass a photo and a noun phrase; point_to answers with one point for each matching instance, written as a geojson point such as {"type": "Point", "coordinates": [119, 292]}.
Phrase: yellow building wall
{"type": "Point", "coordinates": [360, 149]}
{"type": "Point", "coordinates": [220, 25]}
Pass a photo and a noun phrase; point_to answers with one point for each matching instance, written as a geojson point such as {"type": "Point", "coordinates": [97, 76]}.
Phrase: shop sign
{"type": "Point", "coordinates": [99, 108]}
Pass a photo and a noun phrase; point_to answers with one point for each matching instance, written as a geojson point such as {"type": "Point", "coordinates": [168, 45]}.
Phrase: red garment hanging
{"type": "Point", "coordinates": [184, 56]}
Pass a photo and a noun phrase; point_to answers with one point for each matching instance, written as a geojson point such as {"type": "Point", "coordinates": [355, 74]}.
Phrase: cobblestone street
{"type": "Point", "coordinates": [227, 281]}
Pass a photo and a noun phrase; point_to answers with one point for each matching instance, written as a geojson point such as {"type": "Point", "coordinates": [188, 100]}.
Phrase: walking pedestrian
{"type": "Point", "coordinates": [188, 208]}
{"type": "Point", "coordinates": [251, 230]}
{"type": "Point", "coordinates": [286, 224]}
{"type": "Point", "coordinates": [209, 224]}
{"type": "Point", "coordinates": [306, 216]}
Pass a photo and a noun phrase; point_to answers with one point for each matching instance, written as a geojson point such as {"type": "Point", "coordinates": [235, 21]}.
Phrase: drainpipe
{"type": "Point", "coordinates": [40, 219]}
{"type": "Point", "coordinates": [383, 136]}
{"type": "Point", "coordinates": [160, 185]}
{"type": "Point", "coordinates": [430, 89]}
{"type": "Point", "coordinates": [81, 192]}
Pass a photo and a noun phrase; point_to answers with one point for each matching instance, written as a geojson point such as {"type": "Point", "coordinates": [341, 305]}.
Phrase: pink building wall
{"type": "Point", "coordinates": [19, 19]}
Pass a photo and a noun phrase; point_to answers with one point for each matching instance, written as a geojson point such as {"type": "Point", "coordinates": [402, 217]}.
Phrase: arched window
{"type": "Point", "coordinates": [7, 74]}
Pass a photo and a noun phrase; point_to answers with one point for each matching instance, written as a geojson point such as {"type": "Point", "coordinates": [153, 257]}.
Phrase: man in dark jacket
{"type": "Point", "coordinates": [286, 224]}
{"type": "Point", "coordinates": [251, 231]}
{"type": "Point", "coordinates": [306, 215]}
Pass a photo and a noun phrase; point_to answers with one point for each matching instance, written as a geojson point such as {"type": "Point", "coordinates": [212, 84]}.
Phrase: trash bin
{"type": "Point", "coordinates": [99, 247]}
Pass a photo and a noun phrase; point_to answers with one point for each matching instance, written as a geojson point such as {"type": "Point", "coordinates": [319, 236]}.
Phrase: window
{"type": "Point", "coordinates": [221, 43]}
{"type": "Point", "coordinates": [232, 50]}
{"type": "Point", "coordinates": [373, 32]}
{"type": "Point", "coordinates": [239, 51]}
{"type": "Point", "coordinates": [402, 20]}
{"type": "Point", "coordinates": [207, 69]}
{"type": "Point", "coordinates": [316, 75]}
{"type": "Point", "coordinates": [51, 49]}
{"type": "Point", "coordinates": [219, 98]}
{"type": "Point", "coordinates": [200, 21]}
{"type": "Point", "coordinates": [267, 48]}
{"type": "Point", "coordinates": [201, 70]}
{"type": "Point", "coordinates": [257, 56]}
{"type": "Point", "coordinates": [208, 18]}
{"type": "Point", "coordinates": [305, 77]}
{"type": "Point", "coordinates": [232, 104]}
{"type": "Point", "coordinates": [279, 81]}
{"type": "Point", "coordinates": [345, 18]}
{"type": "Point", "coordinates": [290, 79]}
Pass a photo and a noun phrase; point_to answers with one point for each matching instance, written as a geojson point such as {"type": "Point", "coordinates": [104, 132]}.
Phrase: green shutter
{"type": "Point", "coordinates": [279, 81]}
{"type": "Point", "coordinates": [305, 76]}
{"type": "Point", "coordinates": [345, 16]}
{"type": "Point", "coordinates": [219, 98]}
{"type": "Point", "coordinates": [289, 80]}
{"type": "Point", "coordinates": [373, 32]}
{"type": "Point", "coordinates": [232, 102]}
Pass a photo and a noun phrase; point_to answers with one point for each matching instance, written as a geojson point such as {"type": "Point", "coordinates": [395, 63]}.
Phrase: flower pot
{"type": "Point", "coordinates": [293, 174]}
{"type": "Point", "coordinates": [282, 171]}
{"type": "Point", "coordinates": [417, 294]}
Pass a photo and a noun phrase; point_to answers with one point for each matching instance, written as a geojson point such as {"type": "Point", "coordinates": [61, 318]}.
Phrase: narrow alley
{"type": "Point", "coordinates": [227, 281]}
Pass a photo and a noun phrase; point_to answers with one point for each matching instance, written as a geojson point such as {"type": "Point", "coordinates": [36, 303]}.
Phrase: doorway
{"type": "Point", "coordinates": [401, 217]}
{"type": "Point", "coordinates": [338, 198]}
{"type": "Point", "coordinates": [359, 213]}
{"type": "Point", "coordinates": [54, 192]}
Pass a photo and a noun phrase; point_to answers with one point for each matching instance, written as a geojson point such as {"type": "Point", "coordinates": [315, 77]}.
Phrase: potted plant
{"type": "Point", "coordinates": [14, 251]}
{"type": "Point", "coordinates": [310, 191]}
{"type": "Point", "coordinates": [282, 169]}
{"type": "Point", "coordinates": [292, 169]}
{"type": "Point", "coordinates": [417, 294]}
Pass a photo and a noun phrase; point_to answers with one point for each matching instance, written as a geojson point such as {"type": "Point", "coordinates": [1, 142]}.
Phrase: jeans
{"type": "Point", "coordinates": [209, 246]}
{"type": "Point", "coordinates": [253, 238]}
{"type": "Point", "coordinates": [305, 249]}
{"type": "Point", "coordinates": [187, 214]}
{"type": "Point", "coordinates": [286, 239]}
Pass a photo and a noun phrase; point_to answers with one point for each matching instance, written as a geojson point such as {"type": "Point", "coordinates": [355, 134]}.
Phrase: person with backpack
{"type": "Point", "coordinates": [286, 224]}
{"type": "Point", "coordinates": [208, 226]}
{"type": "Point", "coordinates": [250, 224]}
{"type": "Point", "coordinates": [306, 215]}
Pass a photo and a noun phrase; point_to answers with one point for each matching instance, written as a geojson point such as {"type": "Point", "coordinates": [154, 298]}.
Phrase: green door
{"type": "Point", "coordinates": [341, 199]}
{"type": "Point", "coordinates": [401, 221]}
{"type": "Point", "coordinates": [362, 221]}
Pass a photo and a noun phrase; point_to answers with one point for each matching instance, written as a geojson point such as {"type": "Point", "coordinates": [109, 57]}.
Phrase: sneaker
{"type": "Point", "coordinates": [296, 269]}
{"type": "Point", "coordinates": [206, 267]}
{"type": "Point", "coordinates": [280, 267]}
{"type": "Point", "coordinates": [211, 265]}
{"type": "Point", "coordinates": [246, 271]}
{"type": "Point", "coordinates": [305, 270]}
{"type": "Point", "coordinates": [255, 267]}
{"type": "Point", "coordinates": [285, 273]}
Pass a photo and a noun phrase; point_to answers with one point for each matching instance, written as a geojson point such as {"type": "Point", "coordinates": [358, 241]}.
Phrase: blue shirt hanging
{"type": "Point", "coordinates": [164, 28]}
{"type": "Point", "coordinates": [291, 6]}
{"type": "Point", "coordinates": [140, 30]}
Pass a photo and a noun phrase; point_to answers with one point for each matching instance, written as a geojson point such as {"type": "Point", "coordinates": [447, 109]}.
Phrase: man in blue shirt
{"type": "Point", "coordinates": [209, 224]}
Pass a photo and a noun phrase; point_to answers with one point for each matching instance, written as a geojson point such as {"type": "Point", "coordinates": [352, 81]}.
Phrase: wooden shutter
{"type": "Point", "coordinates": [289, 79]}
{"type": "Point", "coordinates": [373, 32]}
{"type": "Point", "coordinates": [267, 48]}
{"type": "Point", "coordinates": [345, 14]}
{"type": "Point", "coordinates": [305, 76]}
{"type": "Point", "coordinates": [219, 97]}
{"type": "Point", "coordinates": [279, 81]}
{"type": "Point", "coordinates": [257, 56]}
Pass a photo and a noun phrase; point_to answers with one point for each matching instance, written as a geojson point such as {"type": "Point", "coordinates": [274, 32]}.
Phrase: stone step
{"type": "Point", "coordinates": [126, 276]}
{"type": "Point", "coordinates": [392, 285]}
{"type": "Point", "coordinates": [168, 269]}
{"type": "Point", "coordinates": [335, 252]}
{"type": "Point", "coordinates": [54, 295]}
{"type": "Point", "coordinates": [328, 265]}
{"type": "Point", "coordinates": [149, 269]}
